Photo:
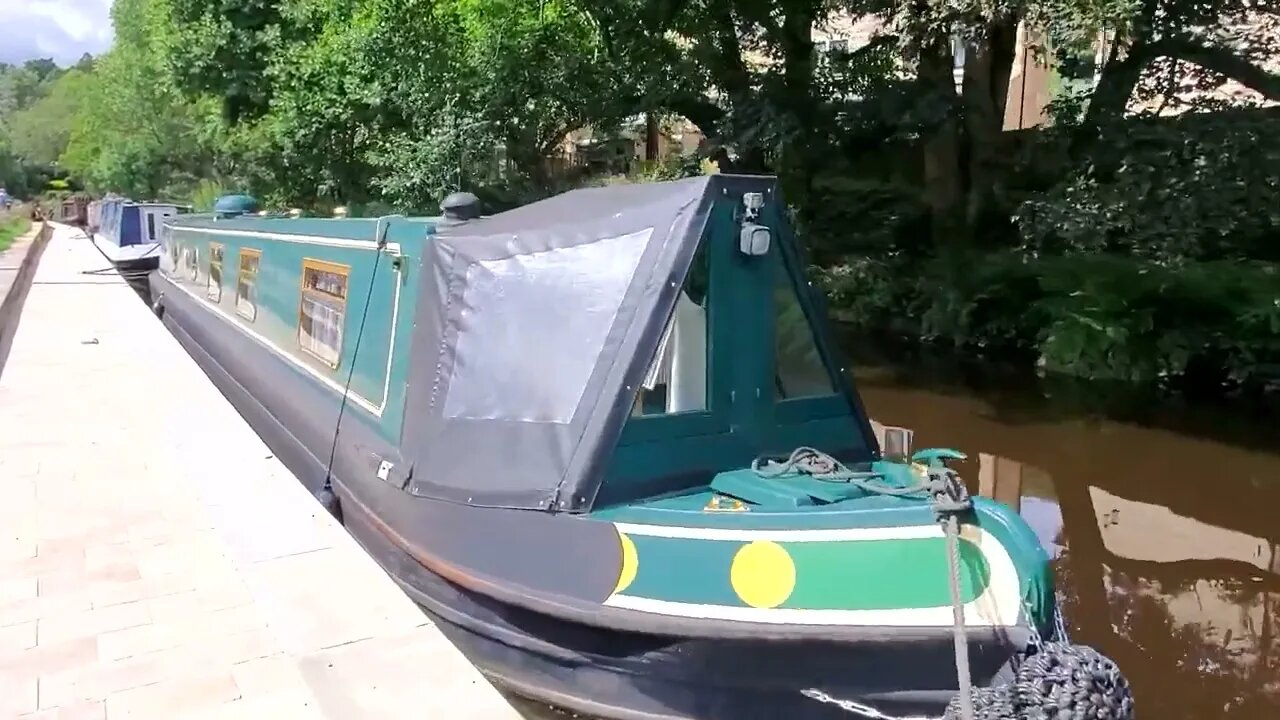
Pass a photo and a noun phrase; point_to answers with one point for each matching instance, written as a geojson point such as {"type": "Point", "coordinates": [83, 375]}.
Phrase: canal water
{"type": "Point", "coordinates": [1163, 520]}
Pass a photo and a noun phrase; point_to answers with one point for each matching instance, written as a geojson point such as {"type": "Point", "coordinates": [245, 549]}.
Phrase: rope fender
{"type": "Point", "coordinates": [1062, 681]}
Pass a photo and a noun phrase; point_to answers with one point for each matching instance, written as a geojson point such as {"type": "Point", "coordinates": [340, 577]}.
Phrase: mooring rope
{"type": "Point", "coordinates": [951, 525]}
{"type": "Point", "coordinates": [1057, 681]}
{"type": "Point", "coordinates": [821, 466]}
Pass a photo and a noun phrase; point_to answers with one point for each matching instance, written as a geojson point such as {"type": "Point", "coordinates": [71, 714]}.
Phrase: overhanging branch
{"type": "Point", "coordinates": [1223, 62]}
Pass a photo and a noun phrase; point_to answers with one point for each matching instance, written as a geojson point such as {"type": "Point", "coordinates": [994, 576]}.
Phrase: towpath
{"type": "Point", "coordinates": [156, 561]}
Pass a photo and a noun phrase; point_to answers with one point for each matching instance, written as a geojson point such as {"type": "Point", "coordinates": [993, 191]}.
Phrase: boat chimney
{"type": "Point", "coordinates": [229, 206]}
{"type": "Point", "coordinates": [460, 207]}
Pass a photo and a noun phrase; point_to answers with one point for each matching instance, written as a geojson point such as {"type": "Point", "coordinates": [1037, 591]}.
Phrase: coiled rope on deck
{"type": "Point", "coordinates": [1056, 681]}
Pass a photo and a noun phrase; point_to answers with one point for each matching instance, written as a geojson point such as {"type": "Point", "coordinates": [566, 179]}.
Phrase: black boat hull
{"type": "Point", "coordinates": [621, 675]}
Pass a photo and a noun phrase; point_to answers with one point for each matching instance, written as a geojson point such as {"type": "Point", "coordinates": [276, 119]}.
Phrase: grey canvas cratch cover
{"type": "Point", "coordinates": [534, 322]}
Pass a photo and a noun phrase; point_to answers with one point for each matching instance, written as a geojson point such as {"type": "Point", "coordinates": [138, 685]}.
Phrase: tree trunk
{"type": "Point", "coordinates": [797, 70]}
{"type": "Point", "coordinates": [652, 137]}
{"type": "Point", "coordinates": [988, 66]}
{"type": "Point", "coordinates": [943, 183]}
{"type": "Point", "coordinates": [730, 73]}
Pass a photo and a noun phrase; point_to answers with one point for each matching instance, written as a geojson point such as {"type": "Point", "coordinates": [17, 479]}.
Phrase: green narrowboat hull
{"type": "Point", "coordinates": [585, 545]}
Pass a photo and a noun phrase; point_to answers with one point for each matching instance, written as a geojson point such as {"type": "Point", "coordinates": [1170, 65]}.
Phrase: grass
{"type": "Point", "coordinates": [12, 224]}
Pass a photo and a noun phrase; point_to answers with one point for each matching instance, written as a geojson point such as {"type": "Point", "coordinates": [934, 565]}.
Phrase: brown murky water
{"type": "Point", "coordinates": [1164, 522]}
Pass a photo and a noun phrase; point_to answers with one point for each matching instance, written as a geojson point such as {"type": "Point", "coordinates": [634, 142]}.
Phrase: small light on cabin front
{"type": "Point", "coordinates": [754, 239]}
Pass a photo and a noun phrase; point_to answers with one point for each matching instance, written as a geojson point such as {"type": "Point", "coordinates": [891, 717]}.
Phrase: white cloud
{"type": "Point", "coordinates": [59, 29]}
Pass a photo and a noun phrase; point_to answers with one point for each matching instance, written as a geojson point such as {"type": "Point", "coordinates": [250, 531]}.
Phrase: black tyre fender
{"type": "Point", "coordinates": [329, 501]}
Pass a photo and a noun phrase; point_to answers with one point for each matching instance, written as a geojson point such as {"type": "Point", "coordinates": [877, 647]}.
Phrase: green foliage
{"type": "Point", "coordinates": [1111, 317]}
{"type": "Point", "coordinates": [12, 224]}
{"type": "Point", "coordinates": [24, 159]}
{"type": "Point", "coordinates": [1099, 316]}
{"type": "Point", "coordinates": [224, 49]}
{"type": "Point", "coordinates": [206, 193]}
{"type": "Point", "coordinates": [21, 86]}
{"type": "Point", "coordinates": [856, 214]}
{"type": "Point", "coordinates": [39, 133]}
{"type": "Point", "coordinates": [135, 134]}
{"type": "Point", "coordinates": [984, 302]}
{"type": "Point", "coordinates": [869, 294]}
{"type": "Point", "coordinates": [1198, 188]}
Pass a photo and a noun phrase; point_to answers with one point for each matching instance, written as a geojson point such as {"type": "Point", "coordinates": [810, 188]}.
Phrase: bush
{"type": "Point", "coordinates": [988, 302]}
{"type": "Point", "coordinates": [1102, 316]}
{"type": "Point", "coordinates": [1201, 187]}
{"type": "Point", "coordinates": [866, 293]}
{"type": "Point", "coordinates": [852, 215]}
{"type": "Point", "coordinates": [1120, 318]}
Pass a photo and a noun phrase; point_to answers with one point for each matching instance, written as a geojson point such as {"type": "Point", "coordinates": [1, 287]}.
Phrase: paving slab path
{"type": "Point", "coordinates": [156, 561]}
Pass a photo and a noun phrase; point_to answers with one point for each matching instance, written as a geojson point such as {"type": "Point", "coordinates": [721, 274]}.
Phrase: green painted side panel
{"type": "Point", "coordinates": [279, 293]}
{"type": "Point", "coordinates": [692, 571]}
{"type": "Point", "coordinates": [687, 509]}
{"type": "Point", "coordinates": [882, 575]}
{"type": "Point", "coordinates": [835, 575]}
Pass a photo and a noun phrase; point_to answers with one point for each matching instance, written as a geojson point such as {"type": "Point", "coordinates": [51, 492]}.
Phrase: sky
{"type": "Point", "coordinates": [61, 29]}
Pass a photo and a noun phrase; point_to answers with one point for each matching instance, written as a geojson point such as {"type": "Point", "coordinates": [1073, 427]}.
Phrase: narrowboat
{"type": "Point", "coordinates": [71, 210]}
{"type": "Point", "coordinates": [128, 233]}
{"type": "Point", "coordinates": [93, 217]}
{"type": "Point", "coordinates": [606, 442]}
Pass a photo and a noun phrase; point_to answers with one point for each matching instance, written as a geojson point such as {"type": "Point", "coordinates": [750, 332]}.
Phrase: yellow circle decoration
{"type": "Point", "coordinates": [630, 564]}
{"type": "Point", "coordinates": [763, 574]}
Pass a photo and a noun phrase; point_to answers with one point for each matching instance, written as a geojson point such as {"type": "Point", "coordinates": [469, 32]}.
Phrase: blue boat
{"type": "Point", "coordinates": [128, 232]}
{"type": "Point", "coordinates": [606, 441]}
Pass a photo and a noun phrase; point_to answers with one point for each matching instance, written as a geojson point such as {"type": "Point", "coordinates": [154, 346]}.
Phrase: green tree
{"type": "Point", "coordinates": [39, 133]}
{"type": "Point", "coordinates": [134, 133]}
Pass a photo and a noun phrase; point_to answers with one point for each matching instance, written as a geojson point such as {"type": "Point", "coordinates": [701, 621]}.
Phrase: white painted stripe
{"type": "Point", "coordinates": [998, 606]}
{"type": "Point", "coordinates": [287, 237]}
{"type": "Point", "coordinates": [117, 253]}
{"type": "Point", "coordinates": [909, 532]}
{"type": "Point", "coordinates": [355, 397]}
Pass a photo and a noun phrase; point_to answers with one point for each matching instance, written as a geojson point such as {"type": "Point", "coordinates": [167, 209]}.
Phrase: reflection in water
{"type": "Point", "coordinates": [1166, 545]}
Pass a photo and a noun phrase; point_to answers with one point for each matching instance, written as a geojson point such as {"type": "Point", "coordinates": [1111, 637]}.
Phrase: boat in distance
{"type": "Point", "coordinates": [606, 441]}
{"type": "Point", "coordinates": [128, 233]}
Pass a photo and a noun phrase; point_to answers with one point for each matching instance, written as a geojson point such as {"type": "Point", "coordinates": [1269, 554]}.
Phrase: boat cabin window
{"type": "Point", "coordinates": [677, 377]}
{"type": "Point", "coordinates": [247, 284]}
{"type": "Point", "coordinates": [533, 327]}
{"type": "Point", "coordinates": [323, 309]}
{"type": "Point", "coordinates": [151, 227]}
{"type": "Point", "coordinates": [800, 369]}
{"type": "Point", "coordinates": [214, 288]}
{"type": "Point", "coordinates": [193, 263]}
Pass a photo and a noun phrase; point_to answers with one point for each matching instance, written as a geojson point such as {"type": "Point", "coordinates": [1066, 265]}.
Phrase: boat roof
{"type": "Point", "coordinates": [134, 203]}
{"type": "Point", "coordinates": [534, 328]}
